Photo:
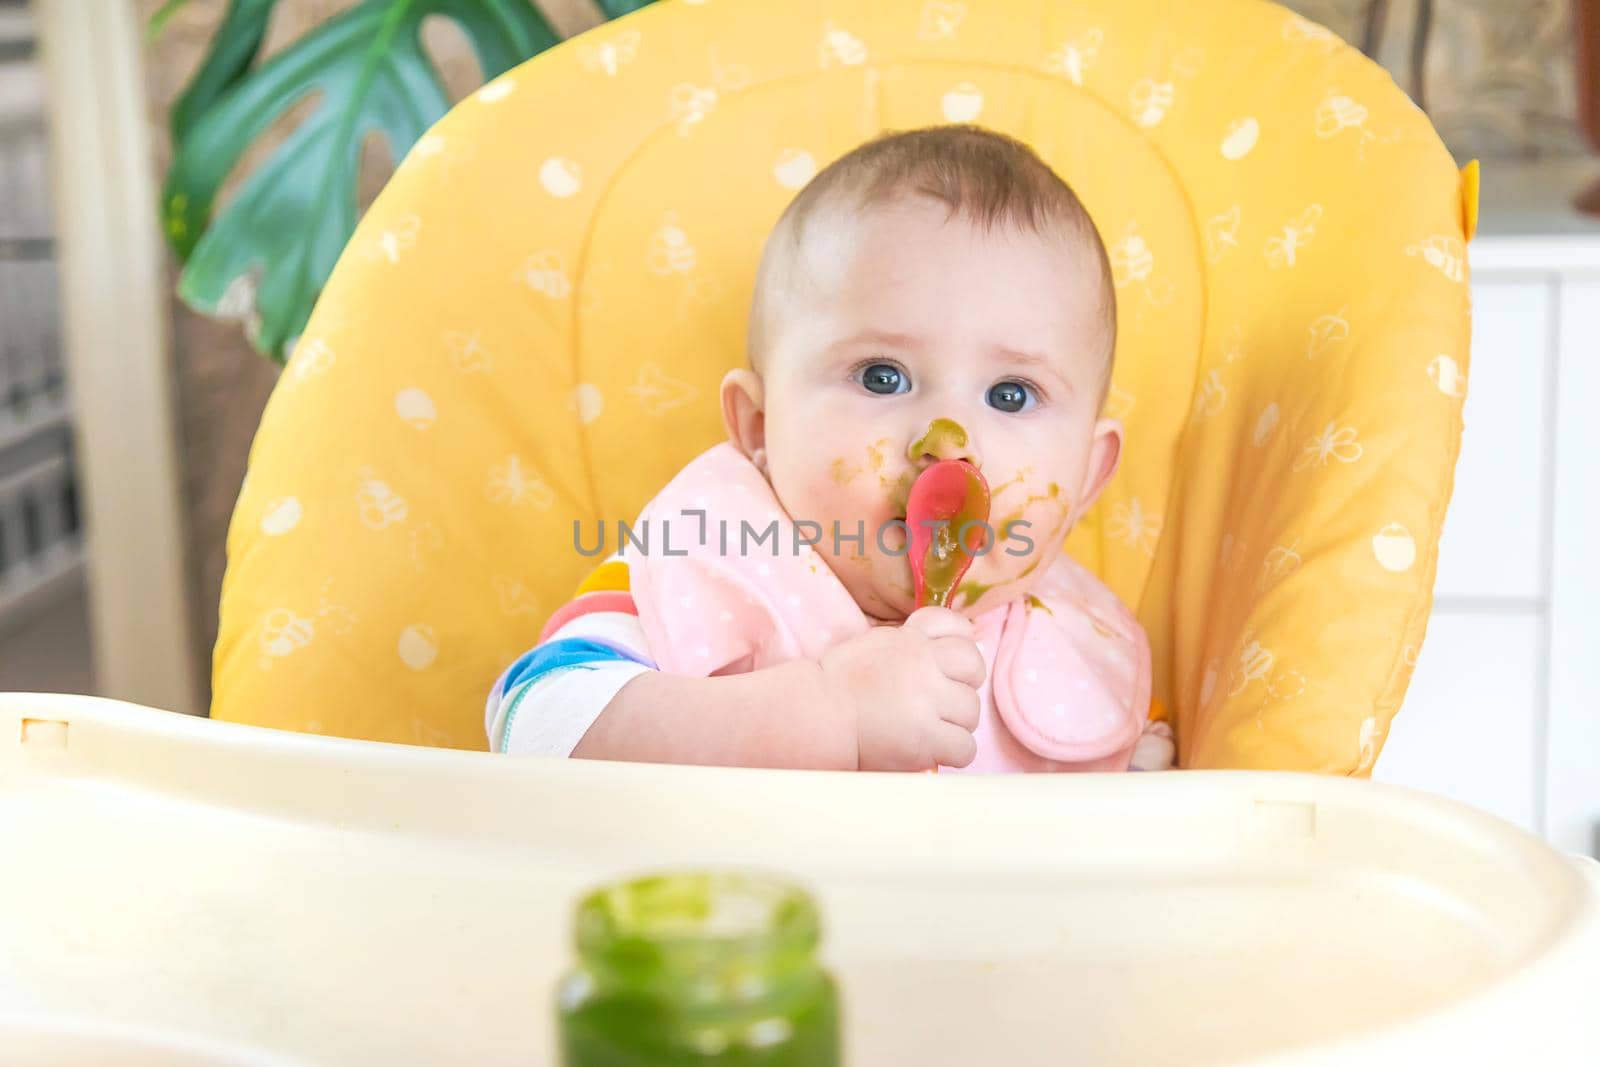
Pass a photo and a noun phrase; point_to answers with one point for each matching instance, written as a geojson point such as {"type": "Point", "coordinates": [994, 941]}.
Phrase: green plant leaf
{"type": "Point", "coordinates": [159, 20]}
{"type": "Point", "coordinates": [267, 255]}
{"type": "Point", "coordinates": [613, 9]}
{"type": "Point", "coordinates": [233, 49]}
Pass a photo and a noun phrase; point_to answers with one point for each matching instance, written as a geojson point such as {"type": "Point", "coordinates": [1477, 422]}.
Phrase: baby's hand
{"type": "Point", "coordinates": [913, 690]}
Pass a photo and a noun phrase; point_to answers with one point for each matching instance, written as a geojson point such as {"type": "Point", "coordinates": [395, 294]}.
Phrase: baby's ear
{"type": "Point", "coordinates": [1105, 452]}
{"type": "Point", "coordinates": [744, 412]}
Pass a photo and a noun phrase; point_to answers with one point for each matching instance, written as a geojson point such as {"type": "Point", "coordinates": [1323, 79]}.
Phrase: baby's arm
{"type": "Point", "coordinates": [894, 698]}
{"type": "Point", "coordinates": [590, 690]}
{"type": "Point", "coordinates": [899, 698]}
{"type": "Point", "coordinates": [779, 716]}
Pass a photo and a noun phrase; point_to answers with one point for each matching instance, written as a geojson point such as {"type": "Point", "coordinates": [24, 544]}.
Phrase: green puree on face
{"type": "Point", "coordinates": [709, 969]}
{"type": "Point", "coordinates": [971, 591]}
{"type": "Point", "coordinates": [941, 432]}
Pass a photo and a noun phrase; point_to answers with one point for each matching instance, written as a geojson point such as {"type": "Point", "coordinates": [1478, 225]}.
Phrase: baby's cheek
{"type": "Point", "coordinates": [879, 583]}
{"type": "Point", "coordinates": [1031, 511]}
{"type": "Point", "coordinates": [1011, 560]}
{"type": "Point", "coordinates": [817, 498]}
{"type": "Point", "coordinates": [1028, 520]}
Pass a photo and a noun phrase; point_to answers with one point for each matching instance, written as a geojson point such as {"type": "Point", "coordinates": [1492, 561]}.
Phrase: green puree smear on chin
{"type": "Point", "coordinates": [971, 591]}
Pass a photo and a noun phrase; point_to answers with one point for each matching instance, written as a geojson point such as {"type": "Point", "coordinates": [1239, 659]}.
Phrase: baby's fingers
{"type": "Point", "coordinates": [958, 704]}
{"type": "Point", "coordinates": [959, 660]}
{"type": "Point", "coordinates": [939, 622]}
{"type": "Point", "coordinates": [953, 746]}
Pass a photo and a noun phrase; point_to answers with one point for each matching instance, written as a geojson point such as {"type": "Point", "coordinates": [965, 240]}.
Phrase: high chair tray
{"type": "Point", "coordinates": [178, 891]}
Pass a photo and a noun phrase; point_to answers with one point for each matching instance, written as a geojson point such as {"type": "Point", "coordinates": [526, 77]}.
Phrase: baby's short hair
{"type": "Point", "coordinates": [983, 177]}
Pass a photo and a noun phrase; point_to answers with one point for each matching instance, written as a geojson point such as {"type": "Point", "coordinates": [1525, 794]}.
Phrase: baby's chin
{"type": "Point", "coordinates": [887, 594]}
{"type": "Point", "coordinates": [880, 585]}
{"type": "Point", "coordinates": [880, 597]}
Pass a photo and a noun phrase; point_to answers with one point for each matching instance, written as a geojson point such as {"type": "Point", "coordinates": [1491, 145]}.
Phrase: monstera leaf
{"type": "Point", "coordinates": [265, 258]}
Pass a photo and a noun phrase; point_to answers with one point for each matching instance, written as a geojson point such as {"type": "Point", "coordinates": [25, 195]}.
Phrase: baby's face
{"type": "Point", "coordinates": [905, 317]}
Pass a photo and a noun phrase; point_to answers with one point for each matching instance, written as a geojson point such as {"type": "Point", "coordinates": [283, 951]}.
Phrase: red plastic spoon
{"type": "Point", "coordinates": [950, 491]}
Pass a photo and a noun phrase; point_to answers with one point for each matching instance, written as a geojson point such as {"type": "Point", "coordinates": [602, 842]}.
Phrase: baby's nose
{"type": "Point", "coordinates": [943, 439]}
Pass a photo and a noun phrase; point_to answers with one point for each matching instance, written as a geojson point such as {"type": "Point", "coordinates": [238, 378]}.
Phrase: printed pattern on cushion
{"type": "Point", "coordinates": [529, 326]}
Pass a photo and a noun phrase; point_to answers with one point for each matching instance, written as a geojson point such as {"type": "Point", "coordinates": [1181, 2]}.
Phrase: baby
{"type": "Point", "coordinates": [935, 294]}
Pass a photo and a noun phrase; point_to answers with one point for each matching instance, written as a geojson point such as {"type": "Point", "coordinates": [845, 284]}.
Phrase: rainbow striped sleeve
{"type": "Point", "coordinates": [590, 648]}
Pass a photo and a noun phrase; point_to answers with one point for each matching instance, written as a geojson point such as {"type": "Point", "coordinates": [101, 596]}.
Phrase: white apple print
{"type": "Point", "coordinates": [841, 46]}
{"type": "Point", "coordinates": [1240, 137]}
{"type": "Point", "coordinates": [1266, 424]}
{"type": "Point", "coordinates": [794, 168]}
{"type": "Point", "coordinates": [1368, 740]}
{"type": "Point", "coordinates": [1394, 548]}
{"type": "Point", "coordinates": [963, 103]}
{"type": "Point", "coordinates": [1208, 684]}
{"type": "Point", "coordinates": [415, 408]}
{"type": "Point", "coordinates": [560, 177]}
{"type": "Point", "coordinates": [428, 146]}
{"type": "Point", "coordinates": [496, 90]}
{"type": "Point", "coordinates": [1446, 374]}
{"type": "Point", "coordinates": [417, 647]}
{"type": "Point", "coordinates": [282, 516]}
{"type": "Point", "coordinates": [587, 402]}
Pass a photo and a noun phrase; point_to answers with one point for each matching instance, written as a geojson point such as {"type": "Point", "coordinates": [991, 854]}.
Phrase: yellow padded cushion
{"type": "Point", "coordinates": [529, 326]}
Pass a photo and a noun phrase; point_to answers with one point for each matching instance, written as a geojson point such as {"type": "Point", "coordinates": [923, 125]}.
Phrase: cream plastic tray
{"type": "Point", "coordinates": [180, 892]}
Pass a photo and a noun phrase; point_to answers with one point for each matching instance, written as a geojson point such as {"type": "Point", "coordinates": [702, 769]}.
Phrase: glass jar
{"type": "Point", "coordinates": [716, 969]}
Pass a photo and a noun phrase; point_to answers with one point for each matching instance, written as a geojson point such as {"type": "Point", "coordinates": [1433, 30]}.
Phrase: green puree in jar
{"type": "Point", "coordinates": [709, 969]}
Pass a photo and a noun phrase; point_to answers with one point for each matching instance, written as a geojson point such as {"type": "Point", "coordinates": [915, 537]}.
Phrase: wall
{"type": "Point", "coordinates": [1499, 73]}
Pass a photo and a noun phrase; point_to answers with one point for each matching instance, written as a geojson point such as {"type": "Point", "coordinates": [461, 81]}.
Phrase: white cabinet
{"type": "Point", "coordinates": [1504, 708]}
{"type": "Point", "coordinates": [1492, 544]}
{"type": "Point", "coordinates": [1572, 791]}
{"type": "Point", "coordinates": [1466, 729]}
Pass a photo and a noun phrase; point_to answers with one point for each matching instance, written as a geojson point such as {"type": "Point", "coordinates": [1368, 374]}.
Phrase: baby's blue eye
{"type": "Point", "coordinates": [1010, 396]}
{"type": "Point", "coordinates": [884, 379]}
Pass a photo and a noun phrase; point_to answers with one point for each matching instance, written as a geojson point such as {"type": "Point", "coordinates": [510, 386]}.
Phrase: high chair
{"type": "Point", "coordinates": [529, 326]}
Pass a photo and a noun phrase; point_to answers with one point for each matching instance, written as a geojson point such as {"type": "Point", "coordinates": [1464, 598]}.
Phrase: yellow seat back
{"type": "Point", "coordinates": [529, 326]}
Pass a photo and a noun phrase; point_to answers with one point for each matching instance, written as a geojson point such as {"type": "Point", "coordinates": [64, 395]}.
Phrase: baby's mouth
{"type": "Point", "coordinates": [947, 498]}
